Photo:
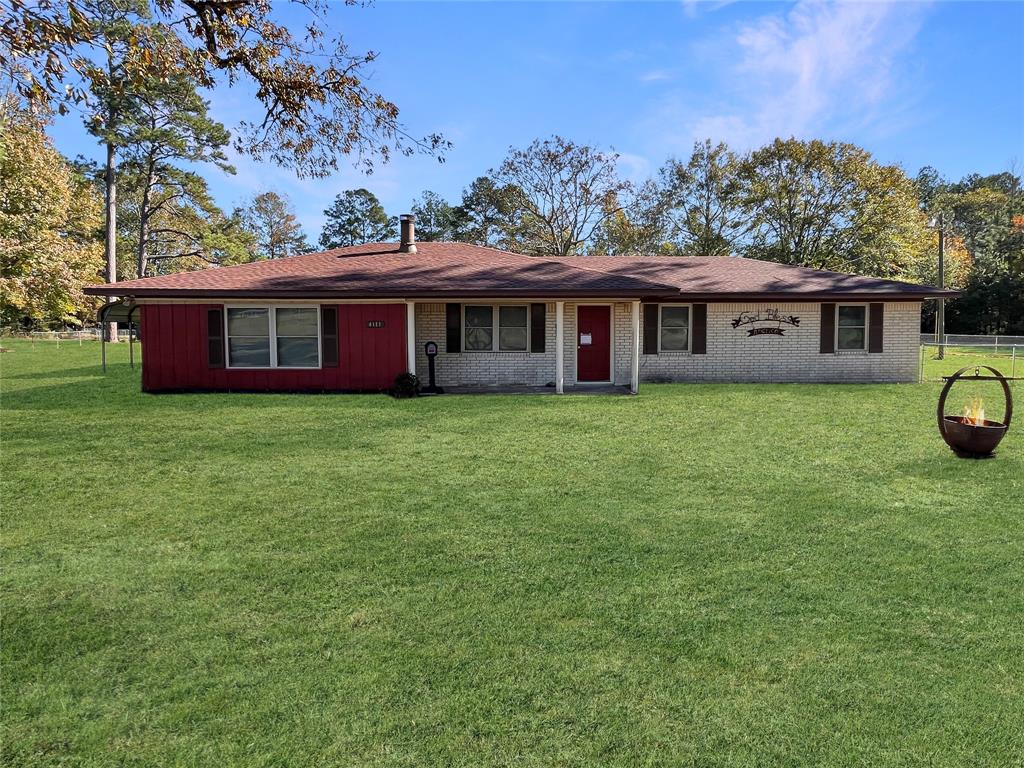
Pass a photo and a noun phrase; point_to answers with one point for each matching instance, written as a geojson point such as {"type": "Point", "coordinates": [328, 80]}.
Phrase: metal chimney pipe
{"type": "Point", "coordinates": [408, 223]}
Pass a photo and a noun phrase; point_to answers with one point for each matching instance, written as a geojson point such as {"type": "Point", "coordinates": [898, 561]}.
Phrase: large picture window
{"type": "Point", "coordinates": [500, 328]}
{"type": "Point", "coordinates": [674, 331]}
{"type": "Point", "coordinates": [273, 337]}
{"type": "Point", "coordinates": [851, 327]}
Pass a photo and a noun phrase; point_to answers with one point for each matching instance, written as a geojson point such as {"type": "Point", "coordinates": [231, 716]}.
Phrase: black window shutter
{"type": "Point", "coordinates": [876, 320]}
{"type": "Point", "coordinates": [650, 329]}
{"type": "Point", "coordinates": [215, 338]}
{"type": "Point", "coordinates": [453, 327]}
{"type": "Point", "coordinates": [538, 327]}
{"type": "Point", "coordinates": [828, 329]}
{"type": "Point", "coordinates": [699, 342]}
{"type": "Point", "coordinates": [329, 336]}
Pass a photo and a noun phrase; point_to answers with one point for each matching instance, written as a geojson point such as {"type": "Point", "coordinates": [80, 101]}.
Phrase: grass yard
{"type": "Point", "coordinates": [702, 575]}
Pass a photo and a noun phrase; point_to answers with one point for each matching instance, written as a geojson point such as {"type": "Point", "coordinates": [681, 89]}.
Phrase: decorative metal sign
{"type": "Point", "coordinates": [765, 322]}
{"type": "Point", "coordinates": [374, 323]}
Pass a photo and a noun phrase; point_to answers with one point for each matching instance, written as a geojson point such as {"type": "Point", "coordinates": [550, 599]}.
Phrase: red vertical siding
{"type": "Point", "coordinates": [195, 335]}
{"type": "Point", "coordinates": [176, 356]}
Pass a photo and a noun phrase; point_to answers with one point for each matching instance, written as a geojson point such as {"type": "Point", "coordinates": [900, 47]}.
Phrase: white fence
{"type": "Point", "coordinates": [72, 336]}
{"type": "Point", "coordinates": [964, 353]}
{"type": "Point", "coordinates": [997, 344]}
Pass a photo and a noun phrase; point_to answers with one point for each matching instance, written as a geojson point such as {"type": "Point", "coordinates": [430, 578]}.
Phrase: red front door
{"type": "Point", "coordinates": [593, 343]}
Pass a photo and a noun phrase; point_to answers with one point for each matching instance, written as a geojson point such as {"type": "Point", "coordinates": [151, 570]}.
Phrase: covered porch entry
{"type": "Point", "coordinates": [528, 345]}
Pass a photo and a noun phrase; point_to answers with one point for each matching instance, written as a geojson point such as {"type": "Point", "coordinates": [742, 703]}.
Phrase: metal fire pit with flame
{"type": "Point", "coordinates": [971, 435]}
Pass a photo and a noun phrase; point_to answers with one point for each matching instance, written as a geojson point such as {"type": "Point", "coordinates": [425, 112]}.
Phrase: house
{"type": "Point", "coordinates": [352, 319]}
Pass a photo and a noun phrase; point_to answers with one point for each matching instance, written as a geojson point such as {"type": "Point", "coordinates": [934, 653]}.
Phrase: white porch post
{"type": "Point", "coordinates": [634, 372]}
{"type": "Point", "coordinates": [559, 347]}
{"type": "Point", "coordinates": [410, 335]}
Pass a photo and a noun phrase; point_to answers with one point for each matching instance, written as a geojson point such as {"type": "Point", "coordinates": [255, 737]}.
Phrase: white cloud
{"type": "Point", "coordinates": [690, 7]}
{"type": "Point", "coordinates": [635, 168]}
{"type": "Point", "coordinates": [656, 76]}
{"type": "Point", "coordinates": [815, 70]}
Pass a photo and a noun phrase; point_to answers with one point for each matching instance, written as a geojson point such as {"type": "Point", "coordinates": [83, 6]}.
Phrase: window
{"type": "Point", "coordinates": [513, 325]}
{"type": "Point", "coordinates": [479, 329]}
{"type": "Point", "coordinates": [674, 332]}
{"type": "Point", "coordinates": [249, 338]}
{"type": "Point", "coordinates": [851, 328]}
{"type": "Point", "coordinates": [512, 329]}
{"type": "Point", "coordinates": [273, 337]}
{"type": "Point", "coordinates": [298, 342]}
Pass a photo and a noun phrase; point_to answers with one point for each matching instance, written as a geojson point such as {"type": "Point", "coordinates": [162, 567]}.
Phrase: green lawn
{"type": "Point", "coordinates": [701, 575]}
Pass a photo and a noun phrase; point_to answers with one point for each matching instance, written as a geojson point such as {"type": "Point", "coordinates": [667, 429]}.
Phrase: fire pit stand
{"type": "Point", "coordinates": [968, 438]}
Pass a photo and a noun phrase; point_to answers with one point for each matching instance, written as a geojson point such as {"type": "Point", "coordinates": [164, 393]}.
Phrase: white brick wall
{"type": "Point", "coordinates": [481, 368]}
{"type": "Point", "coordinates": [732, 355]}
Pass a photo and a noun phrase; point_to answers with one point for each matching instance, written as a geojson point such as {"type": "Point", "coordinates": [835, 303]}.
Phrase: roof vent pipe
{"type": "Point", "coordinates": [408, 244]}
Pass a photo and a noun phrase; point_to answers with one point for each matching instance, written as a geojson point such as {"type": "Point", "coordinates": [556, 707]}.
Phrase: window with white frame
{"type": "Point", "coordinates": [511, 321]}
{"type": "Point", "coordinates": [674, 328]}
{"type": "Point", "coordinates": [248, 337]}
{"type": "Point", "coordinates": [273, 337]}
{"type": "Point", "coordinates": [851, 327]}
{"type": "Point", "coordinates": [297, 335]}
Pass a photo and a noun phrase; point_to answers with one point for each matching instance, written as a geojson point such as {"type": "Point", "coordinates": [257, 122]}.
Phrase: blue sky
{"type": "Point", "coordinates": [916, 84]}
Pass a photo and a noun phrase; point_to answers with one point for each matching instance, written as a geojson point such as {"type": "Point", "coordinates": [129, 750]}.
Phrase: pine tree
{"type": "Point", "coordinates": [357, 217]}
{"type": "Point", "coordinates": [168, 126]}
{"type": "Point", "coordinates": [278, 233]}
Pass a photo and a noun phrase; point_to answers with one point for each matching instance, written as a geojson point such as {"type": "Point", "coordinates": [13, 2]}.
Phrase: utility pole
{"type": "Point", "coordinates": [110, 178]}
{"type": "Point", "coordinates": [940, 315]}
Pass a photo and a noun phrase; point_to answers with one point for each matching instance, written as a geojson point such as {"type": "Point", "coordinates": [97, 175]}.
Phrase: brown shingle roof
{"type": "Point", "coordinates": [722, 277]}
{"type": "Point", "coordinates": [380, 270]}
{"type": "Point", "coordinates": [439, 270]}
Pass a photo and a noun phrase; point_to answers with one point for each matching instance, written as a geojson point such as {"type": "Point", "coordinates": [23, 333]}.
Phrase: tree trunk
{"type": "Point", "coordinates": [111, 222]}
{"type": "Point", "coordinates": [142, 254]}
{"type": "Point", "coordinates": [142, 261]}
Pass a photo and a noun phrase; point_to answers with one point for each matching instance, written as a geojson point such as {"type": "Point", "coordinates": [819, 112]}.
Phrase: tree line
{"type": "Point", "coordinates": [809, 203]}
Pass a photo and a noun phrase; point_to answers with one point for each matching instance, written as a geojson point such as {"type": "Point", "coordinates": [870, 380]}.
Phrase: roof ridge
{"type": "Point", "coordinates": [429, 243]}
{"type": "Point", "coordinates": [559, 259]}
